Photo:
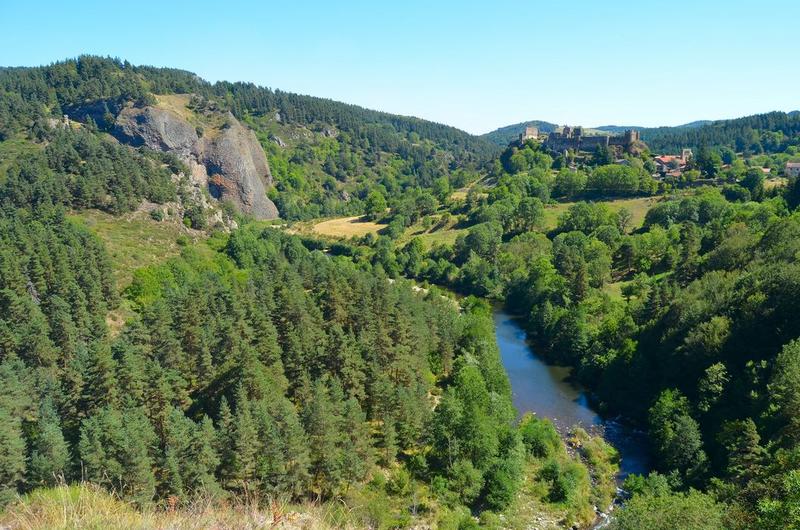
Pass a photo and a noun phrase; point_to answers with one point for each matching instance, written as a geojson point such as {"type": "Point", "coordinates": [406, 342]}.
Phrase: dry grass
{"type": "Point", "coordinates": [346, 227]}
{"type": "Point", "coordinates": [89, 507]}
{"type": "Point", "coordinates": [460, 194]}
{"type": "Point", "coordinates": [775, 182]}
{"type": "Point", "coordinates": [177, 103]}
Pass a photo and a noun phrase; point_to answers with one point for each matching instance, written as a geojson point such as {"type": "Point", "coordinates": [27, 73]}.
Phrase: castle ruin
{"type": "Point", "coordinates": [572, 138]}
{"type": "Point", "coordinates": [530, 133]}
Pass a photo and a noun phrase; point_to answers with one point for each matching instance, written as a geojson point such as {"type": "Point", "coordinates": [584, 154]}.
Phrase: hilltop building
{"type": "Point", "coordinates": [793, 169]}
{"type": "Point", "coordinates": [573, 138]}
{"type": "Point", "coordinates": [530, 133]}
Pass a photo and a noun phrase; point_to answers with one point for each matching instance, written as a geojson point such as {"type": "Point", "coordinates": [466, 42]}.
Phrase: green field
{"type": "Point", "coordinates": [638, 208]}
{"type": "Point", "coordinates": [433, 234]}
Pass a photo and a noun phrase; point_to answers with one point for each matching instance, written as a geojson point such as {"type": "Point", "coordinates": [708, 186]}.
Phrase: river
{"type": "Point", "coordinates": [546, 390]}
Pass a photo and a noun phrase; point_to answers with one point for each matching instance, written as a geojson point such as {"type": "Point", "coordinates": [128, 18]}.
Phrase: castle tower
{"type": "Point", "coordinates": [530, 133]}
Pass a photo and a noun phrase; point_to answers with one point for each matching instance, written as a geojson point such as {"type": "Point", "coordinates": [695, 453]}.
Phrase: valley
{"type": "Point", "coordinates": [259, 309]}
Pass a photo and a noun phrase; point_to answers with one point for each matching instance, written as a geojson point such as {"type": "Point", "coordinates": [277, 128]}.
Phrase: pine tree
{"type": "Point", "coordinates": [324, 439]}
{"type": "Point", "coordinates": [245, 441]}
{"type": "Point", "coordinates": [357, 450]}
{"type": "Point", "coordinates": [225, 445]}
{"type": "Point", "coordinates": [50, 458]}
{"type": "Point", "coordinates": [100, 384]}
{"type": "Point", "coordinates": [171, 471]}
{"type": "Point", "coordinates": [204, 458]}
{"type": "Point", "coordinates": [12, 454]}
{"type": "Point", "coordinates": [115, 450]}
{"type": "Point", "coordinates": [296, 458]}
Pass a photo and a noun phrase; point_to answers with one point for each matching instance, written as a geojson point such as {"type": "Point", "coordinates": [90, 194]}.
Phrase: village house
{"type": "Point", "coordinates": [672, 165]}
{"type": "Point", "coordinates": [793, 169]}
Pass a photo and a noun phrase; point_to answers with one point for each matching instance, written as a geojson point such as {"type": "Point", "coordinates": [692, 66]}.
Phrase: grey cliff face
{"type": "Point", "coordinates": [235, 166]}
{"type": "Point", "coordinates": [157, 129]}
{"type": "Point", "coordinates": [238, 170]}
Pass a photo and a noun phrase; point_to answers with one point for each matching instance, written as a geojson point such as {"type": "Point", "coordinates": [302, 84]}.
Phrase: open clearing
{"type": "Point", "coordinates": [638, 208]}
{"type": "Point", "coordinates": [346, 227]}
{"type": "Point", "coordinates": [775, 182]}
{"type": "Point", "coordinates": [443, 236]}
{"type": "Point", "coordinates": [177, 103]}
{"type": "Point", "coordinates": [435, 232]}
{"type": "Point", "coordinates": [134, 240]}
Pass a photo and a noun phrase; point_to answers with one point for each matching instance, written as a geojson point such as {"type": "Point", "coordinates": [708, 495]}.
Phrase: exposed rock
{"type": "Point", "coordinates": [56, 123]}
{"type": "Point", "coordinates": [238, 170]}
{"type": "Point", "coordinates": [277, 140]}
{"type": "Point", "coordinates": [230, 163]}
{"type": "Point", "coordinates": [156, 128]}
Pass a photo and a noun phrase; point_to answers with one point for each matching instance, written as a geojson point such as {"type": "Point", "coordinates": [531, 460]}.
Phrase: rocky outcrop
{"type": "Point", "coordinates": [229, 162]}
{"type": "Point", "coordinates": [238, 169]}
{"type": "Point", "coordinates": [157, 129]}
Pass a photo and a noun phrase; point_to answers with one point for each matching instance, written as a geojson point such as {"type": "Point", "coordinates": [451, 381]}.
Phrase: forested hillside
{"type": "Point", "coordinates": [767, 133]}
{"type": "Point", "coordinates": [761, 133]}
{"type": "Point", "coordinates": [326, 156]}
{"type": "Point", "coordinates": [251, 362]}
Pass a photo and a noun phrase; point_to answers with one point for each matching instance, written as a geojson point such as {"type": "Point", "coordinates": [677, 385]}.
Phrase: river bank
{"type": "Point", "coordinates": [547, 391]}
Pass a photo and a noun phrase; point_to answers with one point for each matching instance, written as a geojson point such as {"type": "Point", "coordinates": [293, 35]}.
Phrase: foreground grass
{"type": "Point", "coordinates": [89, 507]}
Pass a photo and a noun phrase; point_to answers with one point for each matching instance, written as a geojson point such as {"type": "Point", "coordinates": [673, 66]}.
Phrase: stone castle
{"type": "Point", "coordinates": [572, 138]}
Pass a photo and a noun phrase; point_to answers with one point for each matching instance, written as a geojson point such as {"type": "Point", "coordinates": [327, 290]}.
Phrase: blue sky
{"type": "Point", "coordinates": [474, 65]}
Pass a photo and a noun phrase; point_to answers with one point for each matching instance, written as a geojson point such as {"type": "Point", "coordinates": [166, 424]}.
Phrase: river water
{"type": "Point", "coordinates": [546, 390]}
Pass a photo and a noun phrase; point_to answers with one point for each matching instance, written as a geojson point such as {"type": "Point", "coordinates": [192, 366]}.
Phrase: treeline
{"type": "Point", "coordinates": [772, 132]}
{"type": "Point", "coordinates": [55, 88]}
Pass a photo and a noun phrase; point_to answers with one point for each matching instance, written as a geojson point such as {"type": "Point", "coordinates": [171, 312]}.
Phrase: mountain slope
{"type": "Point", "coordinates": [331, 155]}
{"type": "Point", "coordinates": [754, 133]}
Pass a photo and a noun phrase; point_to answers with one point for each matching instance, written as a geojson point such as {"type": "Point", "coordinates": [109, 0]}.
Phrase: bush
{"type": "Point", "coordinates": [539, 436]}
{"type": "Point", "coordinates": [695, 511]}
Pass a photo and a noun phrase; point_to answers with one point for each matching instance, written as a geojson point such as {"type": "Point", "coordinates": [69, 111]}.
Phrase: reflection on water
{"type": "Point", "coordinates": [546, 390]}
